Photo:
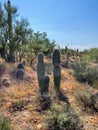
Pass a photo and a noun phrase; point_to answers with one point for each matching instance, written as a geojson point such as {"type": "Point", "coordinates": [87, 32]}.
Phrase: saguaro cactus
{"type": "Point", "coordinates": [66, 48]}
{"type": "Point", "coordinates": [67, 60]}
{"type": "Point", "coordinates": [56, 57]}
{"type": "Point", "coordinates": [46, 84]}
{"type": "Point", "coordinates": [20, 74]}
{"type": "Point", "coordinates": [57, 77]}
{"type": "Point", "coordinates": [56, 69]}
{"type": "Point", "coordinates": [41, 71]}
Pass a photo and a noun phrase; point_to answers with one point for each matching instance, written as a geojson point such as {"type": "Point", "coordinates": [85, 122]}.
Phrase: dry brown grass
{"type": "Point", "coordinates": [27, 91]}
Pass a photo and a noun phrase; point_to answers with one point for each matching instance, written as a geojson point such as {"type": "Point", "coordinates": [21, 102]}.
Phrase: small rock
{"type": "Point", "coordinates": [6, 82]}
{"type": "Point", "coordinates": [39, 126]}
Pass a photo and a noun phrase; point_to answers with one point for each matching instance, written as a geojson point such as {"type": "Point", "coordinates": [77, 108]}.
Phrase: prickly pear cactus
{"type": "Point", "coordinates": [57, 77]}
{"type": "Point", "coordinates": [56, 57]}
{"type": "Point", "coordinates": [40, 70]}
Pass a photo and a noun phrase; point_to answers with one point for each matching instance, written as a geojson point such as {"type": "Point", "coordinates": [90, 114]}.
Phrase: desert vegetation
{"type": "Point", "coordinates": [43, 86]}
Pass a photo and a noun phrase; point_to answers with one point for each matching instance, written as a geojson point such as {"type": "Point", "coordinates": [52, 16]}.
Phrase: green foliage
{"type": "Point", "coordinates": [17, 40]}
{"type": "Point", "coordinates": [5, 124]}
{"type": "Point", "coordinates": [60, 117]}
{"type": "Point", "coordinates": [84, 96]}
{"type": "Point", "coordinates": [84, 73]}
{"type": "Point", "coordinates": [91, 55]}
{"type": "Point", "coordinates": [94, 99]}
{"type": "Point", "coordinates": [48, 67]}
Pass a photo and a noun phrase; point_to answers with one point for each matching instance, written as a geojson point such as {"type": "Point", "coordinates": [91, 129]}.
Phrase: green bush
{"type": "Point", "coordinates": [83, 96]}
{"type": "Point", "coordinates": [61, 117]}
{"type": "Point", "coordinates": [91, 55]}
{"type": "Point", "coordinates": [84, 73]}
{"type": "Point", "coordinates": [5, 124]}
{"type": "Point", "coordinates": [48, 67]}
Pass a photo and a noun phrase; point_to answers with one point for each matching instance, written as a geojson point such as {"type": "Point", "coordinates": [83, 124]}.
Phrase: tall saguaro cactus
{"type": "Point", "coordinates": [56, 70]}
{"type": "Point", "coordinates": [41, 71]}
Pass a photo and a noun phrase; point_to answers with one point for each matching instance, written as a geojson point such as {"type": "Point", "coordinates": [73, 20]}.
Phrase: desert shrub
{"type": "Point", "coordinates": [5, 124]}
{"type": "Point", "coordinates": [87, 98]}
{"type": "Point", "coordinates": [85, 73]}
{"type": "Point", "coordinates": [60, 117]}
{"type": "Point", "coordinates": [93, 54]}
{"type": "Point", "coordinates": [94, 99]}
{"type": "Point", "coordinates": [49, 68]}
{"type": "Point", "coordinates": [83, 96]}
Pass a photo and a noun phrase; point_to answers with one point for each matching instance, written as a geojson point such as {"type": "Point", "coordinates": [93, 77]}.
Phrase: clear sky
{"type": "Point", "coordinates": [68, 22]}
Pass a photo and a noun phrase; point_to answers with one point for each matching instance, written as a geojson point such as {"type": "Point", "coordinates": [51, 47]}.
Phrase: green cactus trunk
{"type": "Point", "coordinates": [46, 85]}
{"type": "Point", "coordinates": [40, 71]}
{"type": "Point", "coordinates": [56, 57]}
{"type": "Point", "coordinates": [57, 77]}
{"type": "Point", "coordinates": [56, 70]}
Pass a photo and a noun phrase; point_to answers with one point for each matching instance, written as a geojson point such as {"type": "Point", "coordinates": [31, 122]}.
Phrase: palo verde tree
{"type": "Point", "coordinates": [13, 33]}
{"type": "Point", "coordinates": [17, 40]}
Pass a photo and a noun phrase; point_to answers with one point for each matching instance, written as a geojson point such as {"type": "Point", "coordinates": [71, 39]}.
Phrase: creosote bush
{"type": "Point", "coordinates": [60, 117]}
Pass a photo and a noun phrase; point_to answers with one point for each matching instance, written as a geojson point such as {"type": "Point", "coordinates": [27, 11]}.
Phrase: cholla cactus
{"type": "Point", "coordinates": [41, 71]}
{"type": "Point", "coordinates": [56, 69]}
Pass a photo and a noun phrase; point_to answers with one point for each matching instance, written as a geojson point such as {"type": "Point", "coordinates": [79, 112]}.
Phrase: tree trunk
{"type": "Point", "coordinates": [11, 56]}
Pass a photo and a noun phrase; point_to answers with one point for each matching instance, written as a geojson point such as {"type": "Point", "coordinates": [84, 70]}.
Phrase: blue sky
{"type": "Point", "coordinates": [69, 22]}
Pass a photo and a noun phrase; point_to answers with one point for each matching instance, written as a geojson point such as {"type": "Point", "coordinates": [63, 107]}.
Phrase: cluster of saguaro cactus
{"type": "Point", "coordinates": [43, 79]}
{"type": "Point", "coordinates": [57, 68]}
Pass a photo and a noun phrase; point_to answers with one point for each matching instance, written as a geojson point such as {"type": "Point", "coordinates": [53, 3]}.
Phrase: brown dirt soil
{"type": "Point", "coordinates": [24, 94]}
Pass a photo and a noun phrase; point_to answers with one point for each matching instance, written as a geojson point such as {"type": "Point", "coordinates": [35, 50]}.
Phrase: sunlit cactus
{"type": "Point", "coordinates": [40, 71]}
{"type": "Point", "coordinates": [56, 70]}
{"type": "Point", "coordinates": [57, 77]}
{"type": "Point", "coordinates": [46, 84]}
{"type": "Point", "coordinates": [56, 57]}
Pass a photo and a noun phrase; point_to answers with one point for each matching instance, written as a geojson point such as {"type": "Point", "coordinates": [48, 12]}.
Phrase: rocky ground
{"type": "Point", "coordinates": [19, 101]}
